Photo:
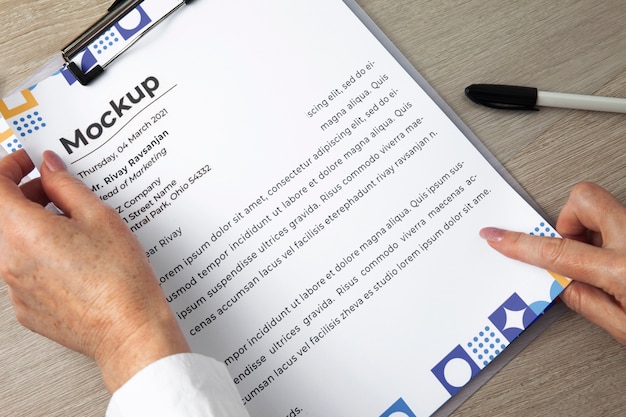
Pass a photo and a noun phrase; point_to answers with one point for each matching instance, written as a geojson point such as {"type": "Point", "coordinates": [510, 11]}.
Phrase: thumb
{"type": "Point", "coordinates": [597, 306]}
{"type": "Point", "coordinates": [68, 193]}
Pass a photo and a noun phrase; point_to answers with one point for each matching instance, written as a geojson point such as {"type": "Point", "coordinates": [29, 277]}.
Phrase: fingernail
{"type": "Point", "coordinates": [492, 234]}
{"type": "Point", "coordinates": [53, 161]}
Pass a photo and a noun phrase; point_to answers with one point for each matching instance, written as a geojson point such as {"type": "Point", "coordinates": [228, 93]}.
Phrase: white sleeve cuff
{"type": "Point", "coordinates": [186, 384]}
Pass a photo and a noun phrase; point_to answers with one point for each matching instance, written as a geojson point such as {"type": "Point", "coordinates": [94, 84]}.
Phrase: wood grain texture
{"type": "Point", "coordinates": [572, 369]}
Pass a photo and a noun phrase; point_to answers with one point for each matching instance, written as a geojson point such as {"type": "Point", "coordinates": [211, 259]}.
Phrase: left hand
{"type": "Point", "coordinates": [81, 278]}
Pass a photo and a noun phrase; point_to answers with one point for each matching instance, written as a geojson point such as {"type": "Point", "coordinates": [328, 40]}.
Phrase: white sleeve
{"type": "Point", "coordinates": [186, 384]}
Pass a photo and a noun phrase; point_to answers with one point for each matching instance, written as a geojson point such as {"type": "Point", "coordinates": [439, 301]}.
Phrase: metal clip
{"type": "Point", "coordinates": [117, 11]}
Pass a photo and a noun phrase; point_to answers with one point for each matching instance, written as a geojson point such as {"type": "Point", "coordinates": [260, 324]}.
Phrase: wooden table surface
{"type": "Point", "coordinates": [574, 368]}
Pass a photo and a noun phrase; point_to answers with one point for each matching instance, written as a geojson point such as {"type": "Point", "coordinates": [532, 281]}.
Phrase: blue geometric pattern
{"type": "Point", "coordinates": [486, 345]}
{"type": "Point", "coordinates": [114, 37]}
{"type": "Point", "coordinates": [28, 124]}
{"type": "Point", "coordinates": [11, 145]}
{"type": "Point", "coordinates": [398, 409]}
{"type": "Point", "coordinates": [465, 361]}
{"type": "Point", "coordinates": [543, 230]}
{"type": "Point", "coordinates": [455, 370]}
{"type": "Point", "coordinates": [507, 322]}
{"type": "Point", "coordinates": [128, 32]}
{"type": "Point", "coordinates": [513, 317]}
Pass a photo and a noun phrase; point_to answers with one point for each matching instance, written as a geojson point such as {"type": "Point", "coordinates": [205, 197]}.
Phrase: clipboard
{"type": "Point", "coordinates": [90, 66]}
{"type": "Point", "coordinates": [87, 57]}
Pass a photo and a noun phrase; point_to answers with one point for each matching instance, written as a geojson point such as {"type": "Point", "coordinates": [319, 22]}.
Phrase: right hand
{"type": "Point", "coordinates": [592, 253]}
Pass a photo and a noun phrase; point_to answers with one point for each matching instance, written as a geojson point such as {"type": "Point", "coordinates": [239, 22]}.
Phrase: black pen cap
{"type": "Point", "coordinates": [508, 97]}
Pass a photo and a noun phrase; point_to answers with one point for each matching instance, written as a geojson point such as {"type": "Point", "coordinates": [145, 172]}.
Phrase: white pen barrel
{"type": "Point", "coordinates": [581, 102]}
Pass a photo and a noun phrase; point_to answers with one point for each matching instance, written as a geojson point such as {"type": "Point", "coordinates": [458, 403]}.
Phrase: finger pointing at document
{"type": "Point", "coordinates": [592, 253]}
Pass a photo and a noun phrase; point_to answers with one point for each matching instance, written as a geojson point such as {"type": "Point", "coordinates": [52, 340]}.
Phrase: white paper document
{"type": "Point", "coordinates": [310, 210]}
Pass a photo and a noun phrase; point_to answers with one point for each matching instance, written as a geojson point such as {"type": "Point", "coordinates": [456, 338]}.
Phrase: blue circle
{"type": "Point", "coordinates": [485, 363]}
{"type": "Point", "coordinates": [481, 334]}
{"type": "Point", "coordinates": [480, 356]}
{"type": "Point", "coordinates": [22, 120]}
{"type": "Point", "coordinates": [498, 340]}
{"type": "Point", "coordinates": [43, 125]}
{"type": "Point", "coordinates": [469, 344]}
{"type": "Point", "coordinates": [486, 340]}
{"type": "Point", "coordinates": [497, 352]}
{"type": "Point", "coordinates": [486, 351]}
{"type": "Point", "coordinates": [502, 346]}
{"type": "Point", "coordinates": [475, 339]}
{"type": "Point", "coordinates": [492, 346]}
{"type": "Point", "coordinates": [480, 345]}
{"type": "Point", "coordinates": [29, 116]}
{"type": "Point", "coordinates": [475, 350]}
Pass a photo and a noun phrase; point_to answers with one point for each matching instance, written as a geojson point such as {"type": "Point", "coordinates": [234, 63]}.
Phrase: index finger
{"type": "Point", "coordinates": [571, 258]}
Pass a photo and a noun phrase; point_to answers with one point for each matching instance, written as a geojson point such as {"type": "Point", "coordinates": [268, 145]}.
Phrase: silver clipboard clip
{"type": "Point", "coordinates": [117, 11]}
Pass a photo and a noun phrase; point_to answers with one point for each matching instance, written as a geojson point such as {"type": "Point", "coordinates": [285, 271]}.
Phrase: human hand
{"type": "Point", "coordinates": [592, 253]}
{"type": "Point", "coordinates": [81, 278]}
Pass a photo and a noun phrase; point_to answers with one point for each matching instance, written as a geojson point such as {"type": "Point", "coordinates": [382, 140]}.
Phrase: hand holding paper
{"type": "Point", "coordinates": [592, 253]}
{"type": "Point", "coordinates": [81, 279]}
